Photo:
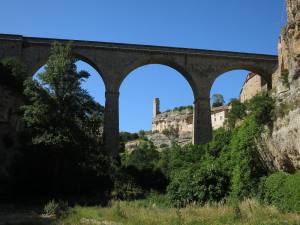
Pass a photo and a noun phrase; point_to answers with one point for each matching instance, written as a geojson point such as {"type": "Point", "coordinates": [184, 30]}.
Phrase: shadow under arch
{"type": "Point", "coordinates": [159, 61]}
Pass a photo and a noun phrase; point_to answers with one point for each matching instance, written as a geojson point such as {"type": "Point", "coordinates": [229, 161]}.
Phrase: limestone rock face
{"type": "Point", "coordinates": [280, 148]}
{"type": "Point", "coordinates": [159, 140]}
{"type": "Point", "coordinates": [179, 120]}
{"type": "Point", "coordinates": [130, 146]}
{"type": "Point", "coordinates": [289, 49]}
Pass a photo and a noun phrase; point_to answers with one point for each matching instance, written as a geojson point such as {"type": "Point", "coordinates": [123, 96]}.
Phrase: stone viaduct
{"type": "Point", "coordinates": [115, 61]}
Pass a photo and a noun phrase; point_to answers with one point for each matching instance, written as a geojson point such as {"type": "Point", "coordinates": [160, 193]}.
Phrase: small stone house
{"type": "Point", "coordinates": [253, 85]}
{"type": "Point", "coordinates": [218, 116]}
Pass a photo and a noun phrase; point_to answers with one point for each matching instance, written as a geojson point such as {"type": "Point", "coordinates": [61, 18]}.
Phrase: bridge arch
{"type": "Point", "coordinates": [39, 57]}
{"type": "Point", "coordinates": [264, 72]}
{"type": "Point", "coordinates": [164, 61]}
{"type": "Point", "coordinates": [94, 84]}
{"type": "Point", "coordinates": [146, 83]}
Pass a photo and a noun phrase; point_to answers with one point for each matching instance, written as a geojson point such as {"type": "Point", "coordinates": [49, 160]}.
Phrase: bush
{"type": "Point", "coordinates": [206, 184]}
{"type": "Point", "coordinates": [155, 199]}
{"type": "Point", "coordinates": [237, 112]}
{"type": "Point", "coordinates": [126, 136]}
{"type": "Point", "coordinates": [141, 165]}
{"type": "Point", "coordinates": [144, 157]}
{"type": "Point", "coordinates": [285, 77]}
{"type": "Point", "coordinates": [125, 187]}
{"type": "Point", "coordinates": [56, 208]}
{"type": "Point", "coordinates": [282, 190]}
{"type": "Point", "coordinates": [248, 168]}
{"type": "Point", "coordinates": [221, 139]}
{"type": "Point", "coordinates": [178, 158]}
{"type": "Point", "coordinates": [261, 108]}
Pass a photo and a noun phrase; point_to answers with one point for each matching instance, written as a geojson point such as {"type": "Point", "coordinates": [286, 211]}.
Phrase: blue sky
{"type": "Point", "coordinates": [231, 25]}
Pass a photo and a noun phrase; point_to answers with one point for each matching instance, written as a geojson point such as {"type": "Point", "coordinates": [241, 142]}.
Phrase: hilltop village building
{"type": "Point", "coordinates": [181, 118]}
{"type": "Point", "coordinates": [253, 85]}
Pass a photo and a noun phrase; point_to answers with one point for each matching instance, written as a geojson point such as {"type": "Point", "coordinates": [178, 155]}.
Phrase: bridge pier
{"type": "Point", "coordinates": [111, 123]}
{"type": "Point", "coordinates": [202, 132]}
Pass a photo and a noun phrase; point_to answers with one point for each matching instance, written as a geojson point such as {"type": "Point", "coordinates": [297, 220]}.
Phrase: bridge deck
{"type": "Point", "coordinates": [28, 41]}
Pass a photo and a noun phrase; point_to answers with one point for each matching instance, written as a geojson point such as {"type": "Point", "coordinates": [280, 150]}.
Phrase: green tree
{"type": "Point", "coordinates": [61, 115]}
{"type": "Point", "coordinates": [237, 112]}
{"type": "Point", "coordinates": [145, 157]}
{"type": "Point", "coordinates": [218, 100]}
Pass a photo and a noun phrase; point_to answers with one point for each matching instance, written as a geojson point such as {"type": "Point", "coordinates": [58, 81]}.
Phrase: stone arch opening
{"type": "Point", "coordinates": [39, 63]}
{"type": "Point", "coordinates": [162, 61]}
{"type": "Point", "coordinates": [138, 91]}
{"type": "Point", "coordinates": [233, 84]}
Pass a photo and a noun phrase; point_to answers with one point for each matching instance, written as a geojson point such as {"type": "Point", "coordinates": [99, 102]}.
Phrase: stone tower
{"type": "Point", "coordinates": [155, 107]}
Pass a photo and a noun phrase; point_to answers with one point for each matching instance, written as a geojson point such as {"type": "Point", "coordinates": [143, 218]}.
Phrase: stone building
{"type": "Point", "coordinates": [181, 119]}
{"type": "Point", "coordinates": [253, 85]}
{"type": "Point", "coordinates": [218, 116]}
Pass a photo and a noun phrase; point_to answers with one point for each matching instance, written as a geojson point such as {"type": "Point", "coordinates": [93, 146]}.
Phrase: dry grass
{"type": "Point", "coordinates": [250, 212]}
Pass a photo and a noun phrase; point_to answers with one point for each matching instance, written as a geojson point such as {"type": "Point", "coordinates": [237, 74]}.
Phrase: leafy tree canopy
{"type": "Point", "coordinates": [218, 100]}
{"type": "Point", "coordinates": [59, 111]}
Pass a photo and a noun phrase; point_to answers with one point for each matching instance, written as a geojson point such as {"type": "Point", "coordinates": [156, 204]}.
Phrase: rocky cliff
{"type": "Point", "coordinates": [280, 146]}
{"type": "Point", "coordinates": [173, 126]}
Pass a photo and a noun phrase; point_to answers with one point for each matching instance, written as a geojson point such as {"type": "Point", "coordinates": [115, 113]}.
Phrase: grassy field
{"type": "Point", "coordinates": [147, 213]}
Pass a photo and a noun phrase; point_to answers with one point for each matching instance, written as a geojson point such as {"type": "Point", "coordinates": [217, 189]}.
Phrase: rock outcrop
{"type": "Point", "coordinates": [180, 119]}
{"type": "Point", "coordinates": [280, 147]}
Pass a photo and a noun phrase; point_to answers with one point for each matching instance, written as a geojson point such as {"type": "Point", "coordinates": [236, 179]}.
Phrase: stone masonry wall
{"type": "Point", "coordinates": [252, 86]}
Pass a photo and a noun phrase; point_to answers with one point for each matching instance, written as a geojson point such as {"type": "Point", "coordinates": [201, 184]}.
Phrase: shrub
{"type": "Point", "coordinates": [206, 184]}
{"type": "Point", "coordinates": [221, 139]}
{"type": "Point", "coordinates": [126, 136]}
{"type": "Point", "coordinates": [261, 108]}
{"type": "Point", "coordinates": [157, 199]}
{"type": "Point", "coordinates": [56, 208]}
{"type": "Point", "coordinates": [237, 112]}
{"type": "Point", "coordinates": [285, 77]}
{"type": "Point", "coordinates": [118, 212]}
{"type": "Point", "coordinates": [144, 157]}
{"type": "Point", "coordinates": [141, 165]}
{"type": "Point", "coordinates": [163, 145]}
{"type": "Point", "coordinates": [178, 158]}
{"type": "Point", "coordinates": [181, 108]}
{"type": "Point", "coordinates": [248, 167]}
{"type": "Point", "coordinates": [282, 190]}
{"type": "Point", "coordinates": [125, 187]}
